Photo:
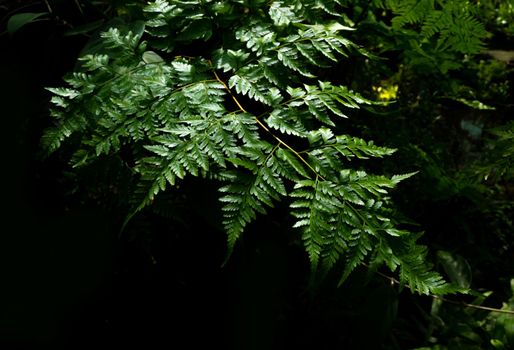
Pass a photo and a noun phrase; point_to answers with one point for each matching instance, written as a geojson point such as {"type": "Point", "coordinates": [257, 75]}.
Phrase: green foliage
{"type": "Point", "coordinates": [454, 22]}
{"type": "Point", "coordinates": [258, 100]}
{"type": "Point", "coordinates": [498, 14]}
{"type": "Point", "coordinates": [432, 35]}
{"type": "Point", "coordinates": [19, 20]}
{"type": "Point", "coordinates": [254, 110]}
{"type": "Point", "coordinates": [503, 152]}
{"type": "Point", "coordinates": [453, 327]}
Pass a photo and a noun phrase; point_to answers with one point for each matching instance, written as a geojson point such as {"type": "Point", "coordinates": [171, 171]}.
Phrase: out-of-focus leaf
{"type": "Point", "coordinates": [501, 55]}
{"type": "Point", "coordinates": [200, 29]}
{"type": "Point", "coordinates": [456, 267]}
{"type": "Point", "coordinates": [86, 28]}
{"type": "Point", "coordinates": [474, 130]}
{"type": "Point", "coordinates": [20, 19]}
{"type": "Point", "coordinates": [475, 104]}
{"type": "Point", "coordinates": [497, 343]}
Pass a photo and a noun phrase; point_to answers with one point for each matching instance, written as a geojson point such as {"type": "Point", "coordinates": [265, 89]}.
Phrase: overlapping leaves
{"type": "Point", "coordinates": [182, 115]}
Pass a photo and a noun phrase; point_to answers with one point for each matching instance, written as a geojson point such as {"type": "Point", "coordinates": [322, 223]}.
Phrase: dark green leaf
{"type": "Point", "coordinates": [20, 19]}
{"type": "Point", "coordinates": [456, 267]}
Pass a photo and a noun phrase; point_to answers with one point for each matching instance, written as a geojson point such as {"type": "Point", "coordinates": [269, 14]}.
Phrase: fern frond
{"type": "Point", "coordinates": [179, 116]}
{"type": "Point", "coordinates": [454, 23]}
{"type": "Point", "coordinates": [254, 89]}
{"type": "Point", "coordinates": [410, 11]}
{"type": "Point", "coordinates": [247, 194]}
{"type": "Point", "coordinates": [360, 247]}
{"type": "Point", "coordinates": [415, 272]}
{"type": "Point", "coordinates": [287, 121]}
{"type": "Point", "coordinates": [281, 14]}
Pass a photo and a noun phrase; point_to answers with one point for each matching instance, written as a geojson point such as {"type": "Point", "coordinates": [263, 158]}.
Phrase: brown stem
{"type": "Point", "coordinates": [261, 124]}
{"type": "Point", "coordinates": [472, 306]}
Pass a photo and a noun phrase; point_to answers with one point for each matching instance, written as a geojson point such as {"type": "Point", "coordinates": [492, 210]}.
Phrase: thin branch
{"type": "Point", "coordinates": [473, 306]}
{"type": "Point", "coordinates": [49, 7]}
{"type": "Point", "coordinates": [261, 124]}
{"type": "Point", "coordinates": [79, 7]}
{"type": "Point", "coordinates": [461, 303]}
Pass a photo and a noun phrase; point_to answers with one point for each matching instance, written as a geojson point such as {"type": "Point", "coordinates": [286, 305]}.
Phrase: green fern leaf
{"type": "Point", "coordinates": [280, 14]}
{"type": "Point", "coordinates": [238, 112]}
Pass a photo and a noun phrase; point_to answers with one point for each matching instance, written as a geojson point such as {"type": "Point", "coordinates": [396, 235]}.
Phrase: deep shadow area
{"type": "Point", "coordinates": [69, 280]}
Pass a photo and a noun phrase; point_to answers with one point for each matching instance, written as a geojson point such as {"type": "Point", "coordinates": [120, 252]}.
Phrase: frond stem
{"type": "Point", "coordinates": [262, 125]}
{"type": "Point", "coordinates": [472, 306]}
